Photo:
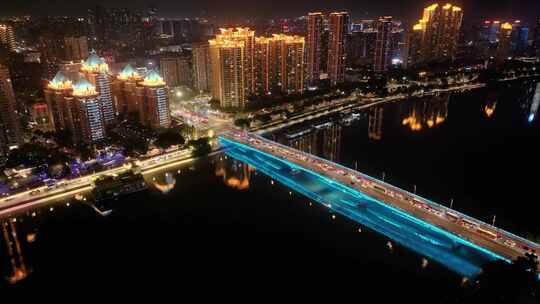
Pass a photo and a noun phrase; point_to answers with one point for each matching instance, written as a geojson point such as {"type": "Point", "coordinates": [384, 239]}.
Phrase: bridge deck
{"type": "Point", "coordinates": [498, 241]}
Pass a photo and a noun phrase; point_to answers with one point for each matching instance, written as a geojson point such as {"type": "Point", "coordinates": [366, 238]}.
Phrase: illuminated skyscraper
{"type": "Point", "coordinates": [76, 48]}
{"type": "Point", "coordinates": [228, 57]}
{"type": "Point", "coordinates": [279, 63]}
{"type": "Point", "coordinates": [337, 46]}
{"type": "Point", "coordinates": [202, 67]}
{"type": "Point", "coordinates": [273, 63]}
{"type": "Point", "coordinates": [439, 28]}
{"type": "Point", "coordinates": [124, 89]}
{"type": "Point", "coordinates": [503, 49]}
{"type": "Point", "coordinates": [292, 63]}
{"type": "Point", "coordinates": [56, 95]}
{"type": "Point", "coordinates": [10, 128]}
{"type": "Point", "coordinates": [383, 47]}
{"type": "Point", "coordinates": [314, 47]}
{"type": "Point", "coordinates": [414, 45]}
{"type": "Point", "coordinates": [97, 72]}
{"type": "Point", "coordinates": [7, 36]}
{"type": "Point", "coordinates": [245, 37]}
{"type": "Point", "coordinates": [86, 109]}
{"type": "Point", "coordinates": [153, 95]}
{"type": "Point", "coordinates": [266, 74]}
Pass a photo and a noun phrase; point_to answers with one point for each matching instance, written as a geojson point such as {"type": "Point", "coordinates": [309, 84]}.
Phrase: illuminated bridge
{"type": "Point", "coordinates": [459, 242]}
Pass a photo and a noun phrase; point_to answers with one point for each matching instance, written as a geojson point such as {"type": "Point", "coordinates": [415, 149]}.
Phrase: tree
{"type": "Point", "coordinates": [28, 155]}
{"type": "Point", "coordinates": [201, 146]}
{"type": "Point", "coordinates": [64, 138]}
{"type": "Point", "coordinates": [86, 152]}
{"type": "Point", "coordinates": [135, 145]}
{"type": "Point", "coordinates": [168, 138]}
{"type": "Point", "coordinates": [243, 123]}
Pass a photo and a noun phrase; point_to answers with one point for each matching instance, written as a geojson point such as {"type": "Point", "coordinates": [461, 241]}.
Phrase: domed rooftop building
{"type": "Point", "coordinates": [84, 88]}
{"type": "Point", "coordinates": [94, 63]}
{"type": "Point", "coordinates": [129, 73]}
{"type": "Point", "coordinates": [60, 82]}
{"type": "Point", "coordinates": [153, 79]}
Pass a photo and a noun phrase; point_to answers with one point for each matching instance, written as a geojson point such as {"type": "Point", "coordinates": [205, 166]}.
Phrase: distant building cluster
{"type": "Point", "coordinates": [143, 58]}
{"type": "Point", "coordinates": [87, 106]}
{"type": "Point", "coordinates": [436, 35]}
{"type": "Point", "coordinates": [242, 65]}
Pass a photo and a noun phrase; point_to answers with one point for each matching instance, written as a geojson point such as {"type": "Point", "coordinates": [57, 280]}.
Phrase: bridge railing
{"type": "Point", "coordinates": [429, 202]}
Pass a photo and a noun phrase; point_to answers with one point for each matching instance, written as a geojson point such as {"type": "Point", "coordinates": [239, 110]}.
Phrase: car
{"type": "Point", "coordinates": [35, 192]}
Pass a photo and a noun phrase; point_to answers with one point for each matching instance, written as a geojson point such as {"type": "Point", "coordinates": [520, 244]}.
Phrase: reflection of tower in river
{"type": "Point", "coordinates": [167, 185]}
{"type": "Point", "coordinates": [491, 104]}
{"type": "Point", "coordinates": [530, 100]}
{"type": "Point", "coordinates": [375, 123]}
{"type": "Point", "coordinates": [425, 113]}
{"type": "Point", "coordinates": [235, 174]}
{"type": "Point", "coordinates": [533, 112]}
{"type": "Point", "coordinates": [322, 139]}
{"type": "Point", "coordinates": [19, 270]}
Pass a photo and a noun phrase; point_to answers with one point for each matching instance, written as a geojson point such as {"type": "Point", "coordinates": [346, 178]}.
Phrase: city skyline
{"type": "Point", "coordinates": [475, 9]}
{"type": "Point", "coordinates": [406, 126]}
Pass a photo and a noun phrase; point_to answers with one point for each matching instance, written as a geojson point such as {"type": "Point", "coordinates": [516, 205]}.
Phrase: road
{"type": "Point", "coordinates": [486, 236]}
{"type": "Point", "coordinates": [81, 185]}
{"type": "Point", "coordinates": [349, 103]}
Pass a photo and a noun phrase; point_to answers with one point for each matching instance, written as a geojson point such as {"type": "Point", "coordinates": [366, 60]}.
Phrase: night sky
{"type": "Point", "coordinates": [408, 10]}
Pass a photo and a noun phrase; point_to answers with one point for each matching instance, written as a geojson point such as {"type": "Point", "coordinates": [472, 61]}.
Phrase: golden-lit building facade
{"type": "Point", "coordinates": [124, 91]}
{"type": "Point", "coordinates": [439, 30]}
{"type": "Point", "coordinates": [279, 64]}
{"type": "Point", "coordinates": [339, 23]}
{"type": "Point", "coordinates": [56, 92]}
{"type": "Point", "coordinates": [227, 56]}
{"type": "Point", "coordinates": [414, 44]}
{"type": "Point", "coordinates": [244, 65]}
{"type": "Point", "coordinates": [7, 36]}
{"type": "Point", "coordinates": [314, 47]}
{"type": "Point", "coordinates": [146, 98]}
{"type": "Point", "coordinates": [503, 49]}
